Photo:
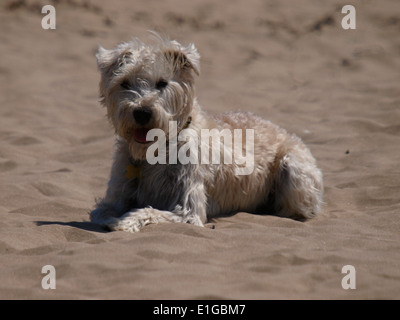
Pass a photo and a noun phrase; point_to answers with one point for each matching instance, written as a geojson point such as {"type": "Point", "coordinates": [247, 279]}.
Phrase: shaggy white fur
{"type": "Point", "coordinates": [144, 87]}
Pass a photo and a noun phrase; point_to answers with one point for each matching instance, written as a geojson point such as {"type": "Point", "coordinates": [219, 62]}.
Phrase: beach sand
{"type": "Point", "coordinates": [288, 61]}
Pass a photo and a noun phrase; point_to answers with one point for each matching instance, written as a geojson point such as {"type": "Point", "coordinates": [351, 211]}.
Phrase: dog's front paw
{"type": "Point", "coordinates": [133, 221]}
{"type": "Point", "coordinates": [127, 224]}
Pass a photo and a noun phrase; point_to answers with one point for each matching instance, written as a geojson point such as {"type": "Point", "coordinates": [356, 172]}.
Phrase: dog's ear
{"type": "Point", "coordinates": [110, 60]}
{"type": "Point", "coordinates": [183, 58]}
{"type": "Point", "coordinates": [106, 59]}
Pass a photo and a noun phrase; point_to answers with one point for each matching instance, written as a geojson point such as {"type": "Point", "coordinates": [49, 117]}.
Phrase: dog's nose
{"type": "Point", "coordinates": [142, 115]}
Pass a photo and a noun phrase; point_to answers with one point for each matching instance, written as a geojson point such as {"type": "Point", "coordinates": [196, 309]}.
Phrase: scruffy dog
{"type": "Point", "coordinates": [151, 86]}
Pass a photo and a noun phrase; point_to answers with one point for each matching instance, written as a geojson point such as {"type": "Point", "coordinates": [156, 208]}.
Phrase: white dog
{"type": "Point", "coordinates": [149, 90]}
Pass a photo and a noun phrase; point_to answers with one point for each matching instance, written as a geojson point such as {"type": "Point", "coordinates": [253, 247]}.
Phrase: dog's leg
{"type": "Point", "coordinates": [298, 185]}
{"type": "Point", "coordinates": [120, 193]}
{"type": "Point", "coordinates": [193, 211]}
{"type": "Point", "coordinates": [189, 205]}
{"type": "Point", "coordinates": [135, 220]}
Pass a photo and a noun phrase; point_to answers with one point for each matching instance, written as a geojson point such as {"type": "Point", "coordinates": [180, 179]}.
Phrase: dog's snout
{"type": "Point", "coordinates": [142, 115]}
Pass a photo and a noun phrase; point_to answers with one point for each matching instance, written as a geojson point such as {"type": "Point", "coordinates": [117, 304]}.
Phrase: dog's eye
{"type": "Point", "coordinates": [161, 84]}
{"type": "Point", "coordinates": [125, 85]}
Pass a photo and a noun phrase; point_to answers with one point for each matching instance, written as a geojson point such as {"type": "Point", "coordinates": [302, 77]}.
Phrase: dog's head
{"type": "Point", "coordinates": [146, 86]}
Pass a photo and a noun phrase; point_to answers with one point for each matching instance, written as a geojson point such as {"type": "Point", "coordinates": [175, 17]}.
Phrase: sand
{"type": "Point", "coordinates": [288, 61]}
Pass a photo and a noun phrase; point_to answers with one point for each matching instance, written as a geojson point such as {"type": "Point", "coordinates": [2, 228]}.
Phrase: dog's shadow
{"type": "Point", "coordinates": [89, 226]}
{"type": "Point", "coordinates": [83, 225]}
